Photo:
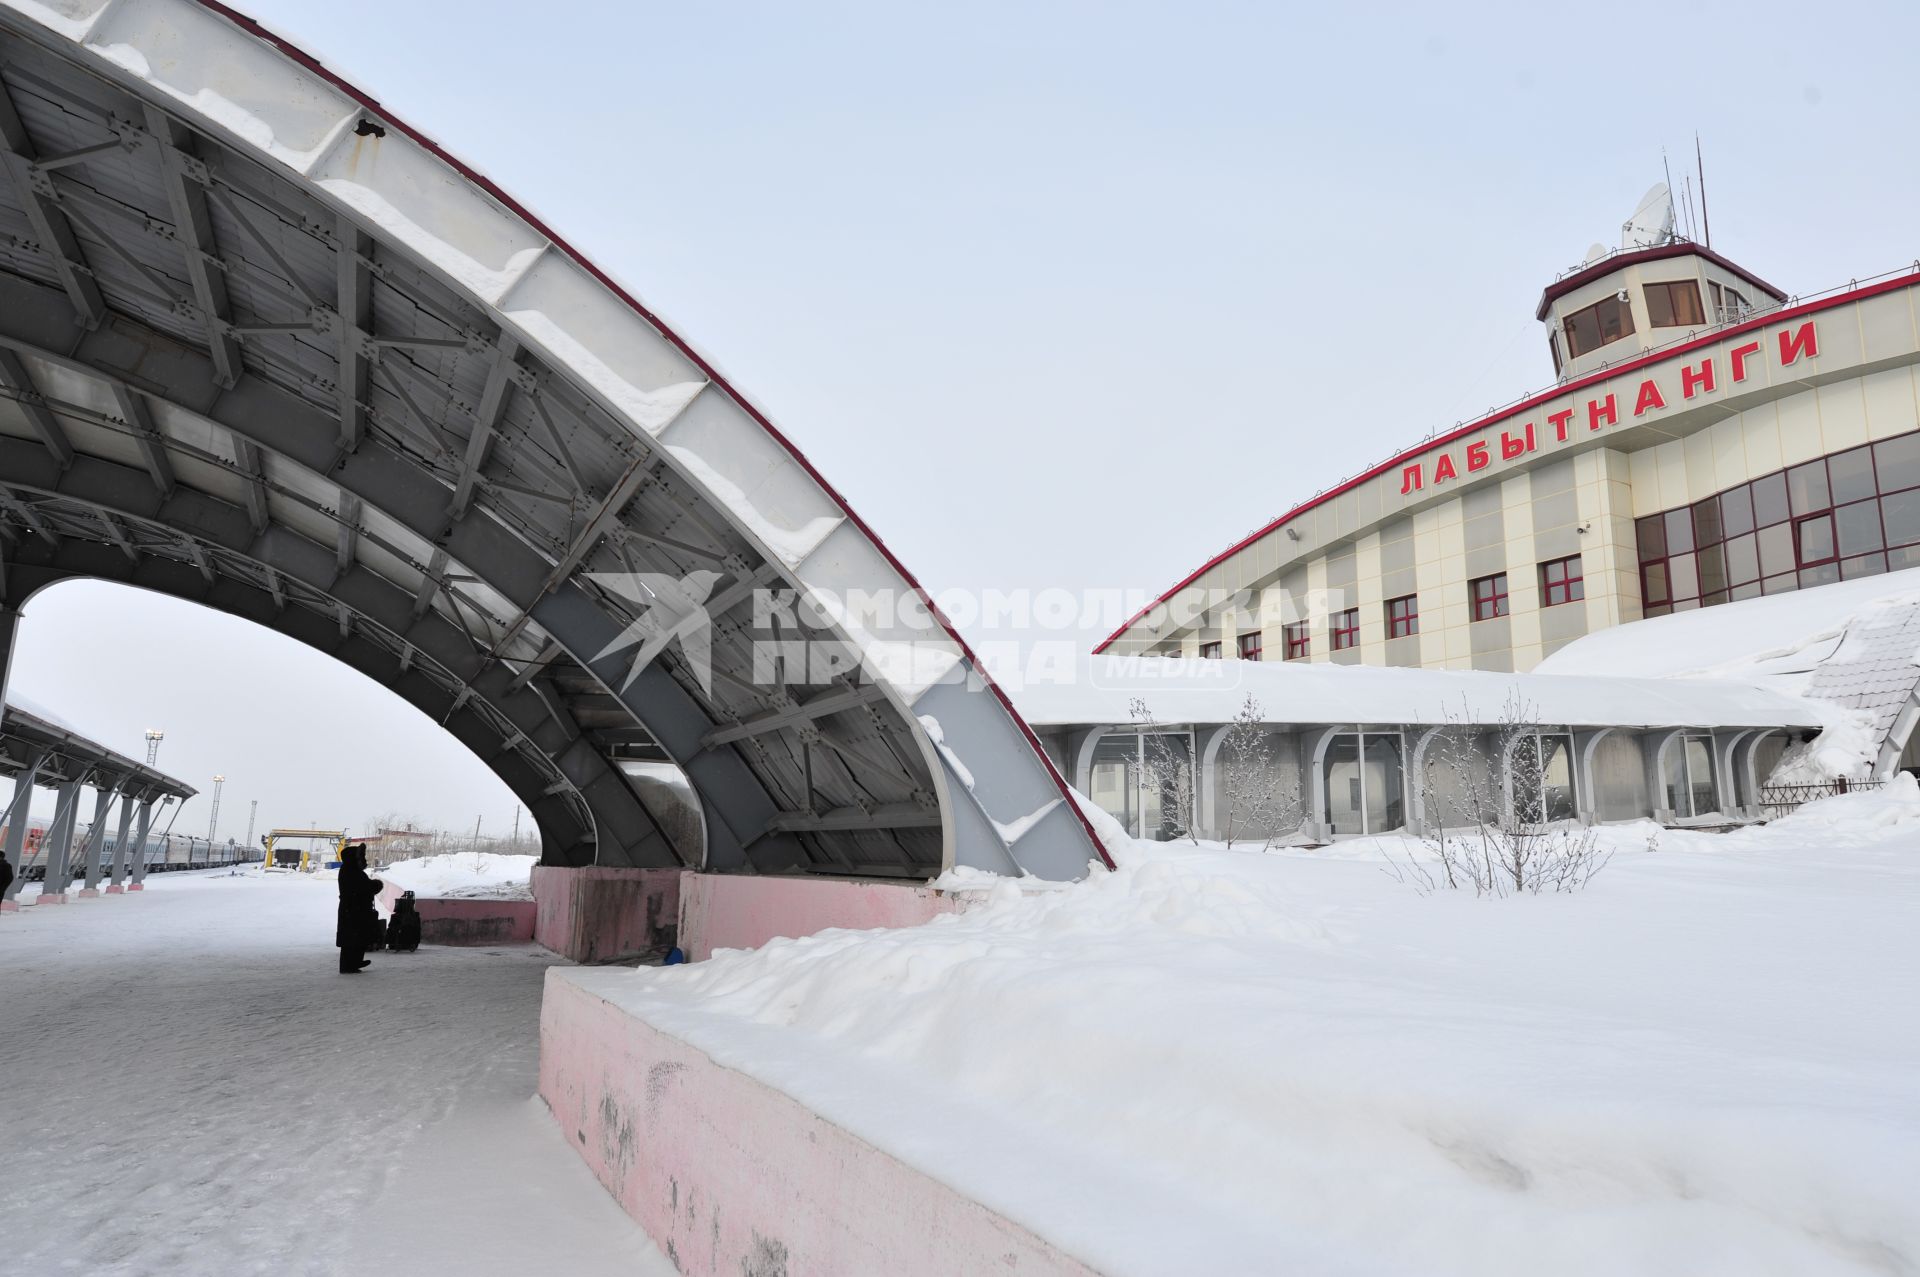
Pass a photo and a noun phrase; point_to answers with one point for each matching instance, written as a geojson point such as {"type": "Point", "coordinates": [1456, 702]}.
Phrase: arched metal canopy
{"type": "Point", "coordinates": [264, 347]}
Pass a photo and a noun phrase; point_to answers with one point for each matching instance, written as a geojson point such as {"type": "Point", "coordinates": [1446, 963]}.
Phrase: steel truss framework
{"type": "Point", "coordinates": [222, 380]}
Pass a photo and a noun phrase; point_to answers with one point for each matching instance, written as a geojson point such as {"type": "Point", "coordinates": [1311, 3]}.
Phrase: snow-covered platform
{"type": "Point", "coordinates": [209, 1095]}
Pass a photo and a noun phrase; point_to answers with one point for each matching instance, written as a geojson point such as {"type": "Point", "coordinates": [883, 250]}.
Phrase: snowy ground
{"type": "Point", "coordinates": [464, 873]}
{"type": "Point", "coordinates": [1220, 1061]}
{"type": "Point", "coordinates": [193, 1088]}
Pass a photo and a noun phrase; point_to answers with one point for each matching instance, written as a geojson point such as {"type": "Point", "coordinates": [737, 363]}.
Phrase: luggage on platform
{"type": "Point", "coordinates": [403, 930]}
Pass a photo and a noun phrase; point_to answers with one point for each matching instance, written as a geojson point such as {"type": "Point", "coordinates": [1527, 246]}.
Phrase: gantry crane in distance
{"type": "Point", "coordinates": [302, 859]}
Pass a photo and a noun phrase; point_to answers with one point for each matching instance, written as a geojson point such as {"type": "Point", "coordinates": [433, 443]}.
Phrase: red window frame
{"type": "Point", "coordinates": [1249, 645]}
{"type": "Point", "coordinates": [1210, 651]}
{"type": "Point", "coordinates": [1489, 596]}
{"type": "Point", "coordinates": [1562, 581]}
{"type": "Point", "coordinates": [1800, 555]}
{"type": "Point", "coordinates": [1344, 630]}
{"type": "Point", "coordinates": [1403, 616]}
{"type": "Point", "coordinates": [1760, 545]}
{"type": "Point", "coordinates": [1299, 641]}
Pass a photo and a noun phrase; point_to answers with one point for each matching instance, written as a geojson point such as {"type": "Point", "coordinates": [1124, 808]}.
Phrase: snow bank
{"type": "Point", "coordinates": [1220, 1060]}
{"type": "Point", "coordinates": [464, 873]}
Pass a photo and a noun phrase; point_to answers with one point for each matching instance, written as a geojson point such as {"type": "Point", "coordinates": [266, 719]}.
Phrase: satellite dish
{"type": "Point", "coordinates": [1652, 220]}
{"type": "Point", "coordinates": [1596, 251]}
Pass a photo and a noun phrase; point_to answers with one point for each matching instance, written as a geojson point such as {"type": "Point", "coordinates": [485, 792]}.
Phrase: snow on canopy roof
{"type": "Point", "coordinates": [1186, 690]}
{"type": "Point", "coordinates": [33, 726]}
{"type": "Point", "coordinates": [1755, 640]}
{"type": "Point", "coordinates": [16, 700]}
{"type": "Point", "coordinates": [1854, 645]}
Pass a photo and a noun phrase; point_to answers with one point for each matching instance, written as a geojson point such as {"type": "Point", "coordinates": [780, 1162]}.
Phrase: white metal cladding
{"type": "Point", "coordinates": [262, 345]}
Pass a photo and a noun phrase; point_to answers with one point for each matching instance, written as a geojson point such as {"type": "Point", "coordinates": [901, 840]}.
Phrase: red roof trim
{"type": "Point", "coordinates": [487, 184]}
{"type": "Point", "coordinates": [1907, 280]}
{"type": "Point", "coordinates": [1620, 261]}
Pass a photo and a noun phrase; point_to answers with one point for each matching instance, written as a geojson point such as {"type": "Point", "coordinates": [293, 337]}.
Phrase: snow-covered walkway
{"type": "Point", "coordinates": [193, 1088]}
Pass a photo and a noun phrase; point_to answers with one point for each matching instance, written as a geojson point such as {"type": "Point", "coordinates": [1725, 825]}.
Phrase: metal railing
{"type": "Point", "coordinates": [1778, 800]}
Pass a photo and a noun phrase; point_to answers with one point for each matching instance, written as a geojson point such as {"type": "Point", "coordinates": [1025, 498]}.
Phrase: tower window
{"type": "Point", "coordinates": [1675, 304]}
{"type": "Point", "coordinates": [1605, 321]}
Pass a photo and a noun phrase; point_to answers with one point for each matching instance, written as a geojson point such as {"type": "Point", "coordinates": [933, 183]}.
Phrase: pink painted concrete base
{"type": "Point", "coordinates": [114, 890]}
{"type": "Point", "coordinates": [89, 893]}
{"type": "Point", "coordinates": [602, 915]}
{"type": "Point", "coordinates": [457, 920]}
{"type": "Point", "coordinates": [737, 911]}
{"type": "Point", "coordinates": [9, 906]}
{"type": "Point", "coordinates": [475, 922]}
{"type": "Point", "coordinates": [598, 915]}
{"type": "Point", "coordinates": [136, 886]}
{"type": "Point", "coordinates": [727, 1174]}
{"type": "Point", "coordinates": [54, 898]}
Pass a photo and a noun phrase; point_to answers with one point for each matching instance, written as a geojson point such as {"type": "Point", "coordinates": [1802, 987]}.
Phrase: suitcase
{"type": "Point", "coordinates": [403, 931]}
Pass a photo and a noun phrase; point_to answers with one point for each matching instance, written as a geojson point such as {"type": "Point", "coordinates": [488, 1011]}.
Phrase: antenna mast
{"type": "Point", "coordinates": [1701, 166]}
{"type": "Point", "coordinates": [1667, 169]}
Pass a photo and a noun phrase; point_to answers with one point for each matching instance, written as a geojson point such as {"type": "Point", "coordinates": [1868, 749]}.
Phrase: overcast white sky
{"type": "Point", "coordinates": [1056, 294]}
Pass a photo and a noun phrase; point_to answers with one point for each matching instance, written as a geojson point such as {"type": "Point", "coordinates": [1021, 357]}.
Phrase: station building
{"type": "Point", "coordinates": [1709, 438]}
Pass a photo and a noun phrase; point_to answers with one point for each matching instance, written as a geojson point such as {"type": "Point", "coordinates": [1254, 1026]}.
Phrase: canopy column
{"type": "Point", "coordinates": [57, 845]}
{"type": "Point", "coordinates": [97, 836]}
{"type": "Point", "coordinates": [119, 873]}
{"type": "Point", "coordinates": [16, 838]}
{"type": "Point", "coordinates": [139, 882]}
{"type": "Point", "coordinates": [9, 625]}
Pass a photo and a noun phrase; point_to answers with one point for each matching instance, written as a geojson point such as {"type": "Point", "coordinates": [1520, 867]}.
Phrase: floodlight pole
{"type": "Point", "coordinates": [213, 819]}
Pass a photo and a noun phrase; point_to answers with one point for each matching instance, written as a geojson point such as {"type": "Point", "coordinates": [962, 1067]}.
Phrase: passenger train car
{"type": "Point", "coordinates": [164, 852]}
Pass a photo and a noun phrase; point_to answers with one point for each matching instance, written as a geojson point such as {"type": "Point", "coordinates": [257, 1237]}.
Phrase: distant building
{"type": "Point", "coordinates": [1709, 439]}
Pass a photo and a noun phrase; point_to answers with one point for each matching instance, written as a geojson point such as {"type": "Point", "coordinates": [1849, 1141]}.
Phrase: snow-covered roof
{"type": "Point", "coordinates": [1755, 639]}
{"type": "Point", "coordinates": [66, 753]}
{"type": "Point", "coordinates": [1183, 690]}
{"type": "Point", "coordinates": [1854, 644]}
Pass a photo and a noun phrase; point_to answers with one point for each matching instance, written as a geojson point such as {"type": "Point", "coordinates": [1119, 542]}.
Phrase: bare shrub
{"type": "Point", "coordinates": [1165, 769]}
{"type": "Point", "coordinates": [1504, 842]}
{"type": "Point", "coordinates": [1254, 806]}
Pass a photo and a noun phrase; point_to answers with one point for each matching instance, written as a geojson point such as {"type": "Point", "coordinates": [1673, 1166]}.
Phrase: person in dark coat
{"type": "Point", "coordinates": [6, 874]}
{"type": "Point", "coordinates": [353, 928]}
